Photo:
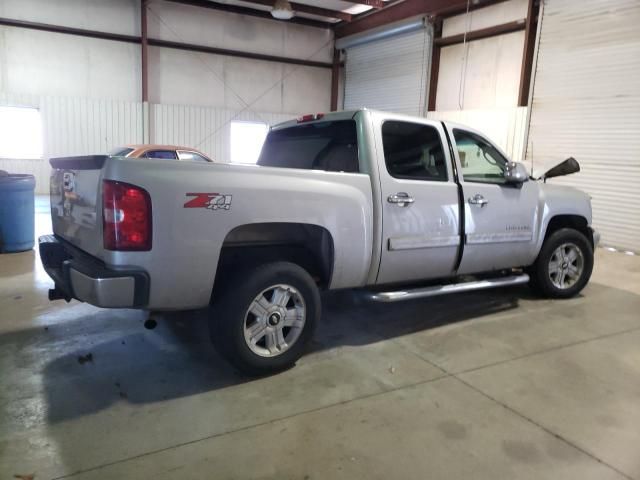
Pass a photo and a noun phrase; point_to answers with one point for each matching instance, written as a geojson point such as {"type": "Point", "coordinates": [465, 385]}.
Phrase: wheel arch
{"type": "Point", "coordinates": [557, 222]}
{"type": "Point", "coordinates": [308, 245]}
{"type": "Point", "coordinates": [539, 271]}
{"type": "Point", "coordinates": [576, 222]}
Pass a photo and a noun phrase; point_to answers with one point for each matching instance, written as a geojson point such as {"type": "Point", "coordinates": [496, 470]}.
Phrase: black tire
{"type": "Point", "coordinates": [539, 271]}
{"type": "Point", "coordinates": [229, 313]}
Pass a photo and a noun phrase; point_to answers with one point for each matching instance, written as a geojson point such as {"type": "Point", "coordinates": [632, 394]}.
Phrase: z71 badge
{"type": "Point", "coordinates": [211, 201]}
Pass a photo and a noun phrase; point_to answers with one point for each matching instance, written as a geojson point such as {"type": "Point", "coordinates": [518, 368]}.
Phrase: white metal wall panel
{"type": "Point", "coordinates": [81, 126]}
{"type": "Point", "coordinates": [586, 104]}
{"type": "Point", "coordinates": [204, 128]}
{"type": "Point", "coordinates": [506, 126]}
{"type": "Point", "coordinates": [482, 74]}
{"type": "Point", "coordinates": [389, 74]}
{"type": "Point", "coordinates": [75, 126]}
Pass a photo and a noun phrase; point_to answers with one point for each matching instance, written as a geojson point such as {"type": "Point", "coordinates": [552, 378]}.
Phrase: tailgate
{"type": "Point", "coordinates": [75, 191]}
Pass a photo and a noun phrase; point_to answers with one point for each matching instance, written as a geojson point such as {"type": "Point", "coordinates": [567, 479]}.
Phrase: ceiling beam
{"type": "Point", "coordinates": [237, 53]}
{"type": "Point", "coordinates": [456, 8]}
{"type": "Point", "coordinates": [153, 42]}
{"type": "Point", "coordinates": [384, 16]}
{"type": "Point", "coordinates": [302, 8]}
{"type": "Point", "coordinates": [369, 3]}
{"type": "Point", "coordinates": [45, 27]}
{"type": "Point", "coordinates": [407, 9]}
{"type": "Point", "coordinates": [482, 33]}
{"type": "Point", "coordinates": [251, 12]}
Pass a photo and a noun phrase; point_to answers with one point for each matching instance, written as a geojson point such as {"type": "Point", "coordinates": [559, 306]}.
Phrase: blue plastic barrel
{"type": "Point", "coordinates": [17, 212]}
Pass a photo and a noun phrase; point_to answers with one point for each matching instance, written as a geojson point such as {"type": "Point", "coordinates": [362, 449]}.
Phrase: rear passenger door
{"type": "Point", "coordinates": [419, 201]}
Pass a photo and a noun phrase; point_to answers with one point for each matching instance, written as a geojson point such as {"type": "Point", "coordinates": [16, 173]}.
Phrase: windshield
{"type": "Point", "coordinates": [330, 146]}
{"type": "Point", "coordinates": [120, 152]}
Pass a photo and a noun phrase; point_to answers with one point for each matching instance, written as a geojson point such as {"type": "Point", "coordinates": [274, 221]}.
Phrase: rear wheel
{"type": "Point", "coordinates": [264, 319]}
{"type": "Point", "coordinates": [564, 264]}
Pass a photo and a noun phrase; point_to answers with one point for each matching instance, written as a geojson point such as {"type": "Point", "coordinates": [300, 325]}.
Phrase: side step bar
{"type": "Point", "coordinates": [435, 290]}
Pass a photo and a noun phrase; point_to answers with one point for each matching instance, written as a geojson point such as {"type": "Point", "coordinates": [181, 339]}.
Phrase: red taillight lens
{"type": "Point", "coordinates": [126, 214]}
{"type": "Point", "coordinates": [310, 117]}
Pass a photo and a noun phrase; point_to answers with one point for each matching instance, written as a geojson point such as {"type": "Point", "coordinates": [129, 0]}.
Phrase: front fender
{"type": "Point", "coordinates": [561, 201]}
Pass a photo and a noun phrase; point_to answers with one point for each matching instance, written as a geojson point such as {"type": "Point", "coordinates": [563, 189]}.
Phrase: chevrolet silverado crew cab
{"type": "Point", "coordinates": [395, 206]}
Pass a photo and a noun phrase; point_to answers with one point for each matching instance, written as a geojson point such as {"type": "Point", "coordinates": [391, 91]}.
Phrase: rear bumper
{"type": "Point", "coordinates": [85, 278]}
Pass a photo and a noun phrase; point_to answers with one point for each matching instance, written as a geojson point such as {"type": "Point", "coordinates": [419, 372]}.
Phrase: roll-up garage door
{"type": "Point", "coordinates": [586, 104]}
{"type": "Point", "coordinates": [390, 73]}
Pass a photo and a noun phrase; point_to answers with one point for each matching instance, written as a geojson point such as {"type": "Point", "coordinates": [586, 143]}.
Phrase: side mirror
{"type": "Point", "coordinates": [515, 173]}
{"type": "Point", "coordinates": [569, 166]}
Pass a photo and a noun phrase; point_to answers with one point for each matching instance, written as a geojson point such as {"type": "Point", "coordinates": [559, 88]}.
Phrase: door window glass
{"type": "Point", "coordinates": [480, 161]}
{"type": "Point", "coordinates": [413, 151]}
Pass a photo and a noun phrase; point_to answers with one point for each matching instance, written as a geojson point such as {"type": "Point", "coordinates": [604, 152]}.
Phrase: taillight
{"type": "Point", "coordinates": [126, 214]}
{"type": "Point", "coordinates": [310, 117]}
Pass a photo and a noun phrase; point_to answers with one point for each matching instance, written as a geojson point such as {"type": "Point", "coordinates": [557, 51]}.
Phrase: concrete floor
{"type": "Point", "coordinates": [486, 385]}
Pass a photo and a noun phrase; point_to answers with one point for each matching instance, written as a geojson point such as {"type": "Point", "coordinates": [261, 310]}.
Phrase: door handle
{"type": "Point", "coordinates": [402, 199]}
{"type": "Point", "coordinates": [478, 199]}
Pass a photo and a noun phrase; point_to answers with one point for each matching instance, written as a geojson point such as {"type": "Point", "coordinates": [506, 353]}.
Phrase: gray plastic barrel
{"type": "Point", "coordinates": [17, 214]}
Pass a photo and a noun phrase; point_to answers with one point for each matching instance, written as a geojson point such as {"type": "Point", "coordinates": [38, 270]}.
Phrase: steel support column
{"type": "Point", "coordinates": [527, 52]}
{"type": "Point", "coordinates": [144, 55]}
{"type": "Point", "coordinates": [435, 67]}
{"type": "Point", "coordinates": [144, 50]}
{"type": "Point", "coordinates": [335, 79]}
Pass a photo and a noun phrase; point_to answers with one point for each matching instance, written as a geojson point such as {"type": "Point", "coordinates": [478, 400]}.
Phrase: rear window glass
{"type": "Point", "coordinates": [162, 154]}
{"type": "Point", "coordinates": [330, 146]}
{"type": "Point", "coordinates": [120, 152]}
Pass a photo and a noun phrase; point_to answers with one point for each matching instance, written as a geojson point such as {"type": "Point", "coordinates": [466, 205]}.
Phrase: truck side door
{"type": "Point", "coordinates": [420, 227]}
{"type": "Point", "coordinates": [500, 218]}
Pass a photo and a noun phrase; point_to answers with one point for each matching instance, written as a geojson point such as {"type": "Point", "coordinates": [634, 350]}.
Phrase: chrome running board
{"type": "Point", "coordinates": [435, 290]}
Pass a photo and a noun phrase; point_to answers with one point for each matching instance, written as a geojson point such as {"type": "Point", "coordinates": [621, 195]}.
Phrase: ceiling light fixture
{"type": "Point", "coordinates": [282, 10]}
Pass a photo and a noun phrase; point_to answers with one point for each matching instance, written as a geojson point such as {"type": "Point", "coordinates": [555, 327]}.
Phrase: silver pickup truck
{"type": "Point", "coordinates": [396, 206]}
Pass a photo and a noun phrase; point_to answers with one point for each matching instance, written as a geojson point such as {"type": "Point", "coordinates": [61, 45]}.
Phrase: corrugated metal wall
{"type": "Point", "coordinates": [586, 104]}
{"type": "Point", "coordinates": [75, 126]}
{"type": "Point", "coordinates": [204, 128]}
{"type": "Point", "coordinates": [390, 74]}
{"type": "Point", "coordinates": [79, 126]}
{"type": "Point", "coordinates": [506, 127]}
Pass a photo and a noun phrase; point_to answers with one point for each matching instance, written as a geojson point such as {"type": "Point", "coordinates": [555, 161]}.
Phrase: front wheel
{"type": "Point", "coordinates": [564, 264]}
{"type": "Point", "coordinates": [264, 318]}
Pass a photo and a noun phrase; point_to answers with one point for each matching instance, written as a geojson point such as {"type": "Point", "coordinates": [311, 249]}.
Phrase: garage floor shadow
{"type": "Point", "coordinates": [176, 359]}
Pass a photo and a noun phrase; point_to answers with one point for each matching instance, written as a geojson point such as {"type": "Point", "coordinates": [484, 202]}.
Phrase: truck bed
{"type": "Point", "coordinates": [196, 206]}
